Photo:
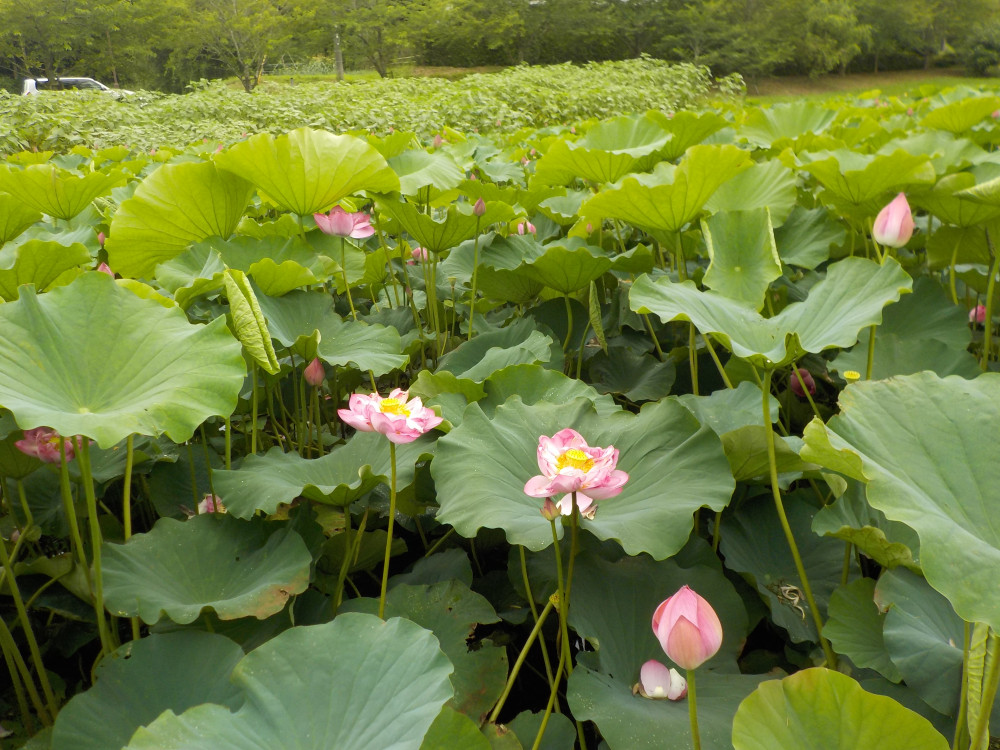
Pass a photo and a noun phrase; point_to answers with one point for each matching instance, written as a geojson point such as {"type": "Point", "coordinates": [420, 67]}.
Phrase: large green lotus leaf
{"type": "Point", "coordinates": [533, 383]}
{"type": "Point", "coordinates": [356, 683]}
{"type": "Point", "coordinates": [338, 478]}
{"type": "Point", "coordinates": [670, 207]}
{"type": "Point", "coordinates": [851, 518]}
{"type": "Point", "coordinates": [746, 449]}
{"type": "Point", "coordinates": [459, 223]}
{"type": "Point", "coordinates": [753, 544]}
{"type": "Point", "coordinates": [57, 192]}
{"type": "Point", "coordinates": [38, 262]}
{"type": "Point", "coordinates": [948, 201]}
{"type": "Point", "coordinates": [518, 344]}
{"type": "Point", "coordinates": [818, 709]}
{"type": "Point", "coordinates": [850, 298]}
{"type": "Point", "coordinates": [924, 445]}
{"type": "Point", "coordinates": [567, 266]}
{"type": "Point", "coordinates": [176, 205]}
{"type": "Point", "coordinates": [366, 346]}
{"type": "Point", "coordinates": [687, 128]}
{"type": "Point", "coordinates": [730, 409]}
{"type": "Point", "coordinates": [631, 722]}
{"type": "Point", "coordinates": [768, 184]}
{"type": "Point", "coordinates": [212, 561]}
{"type": "Point", "coordinates": [924, 331]}
{"type": "Point", "coordinates": [675, 466]}
{"type": "Point", "coordinates": [248, 321]}
{"type": "Point", "coordinates": [924, 638]}
{"type": "Point", "coordinates": [958, 117]}
{"type": "Point", "coordinates": [613, 604]}
{"type": "Point", "coordinates": [93, 359]}
{"type": "Point", "coordinates": [306, 171]}
{"type": "Point", "coordinates": [764, 125]}
{"type": "Point", "coordinates": [193, 271]}
{"type": "Point", "coordinates": [563, 209]}
{"type": "Point", "coordinates": [948, 154]}
{"type": "Point", "coordinates": [636, 376]}
{"type": "Point", "coordinates": [452, 729]}
{"type": "Point", "coordinates": [560, 734]}
{"type": "Point", "coordinates": [806, 237]}
{"type": "Point", "coordinates": [277, 264]}
{"type": "Point", "coordinates": [743, 257]}
{"type": "Point", "coordinates": [141, 680]}
{"type": "Point", "coordinates": [418, 169]}
{"type": "Point", "coordinates": [854, 628]}
{"type": "Point", "coordinates": [15, 217]}
{"type": "Point", "coordinates": [859, 184]}
{"type": "Point", "coordinates": [452, 611]}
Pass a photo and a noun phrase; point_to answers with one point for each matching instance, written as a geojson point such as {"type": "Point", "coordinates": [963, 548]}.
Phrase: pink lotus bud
{"type": "Point", "coordinates": [590, 228]}
{"type": "Point", "coordinates": [659, 683]}
{"type": "Point", "coordinates": [894, 223]}
{"type": "Point", "coordinates": [101, 237]}
{"type": "Point", "coordinates": [524, 161]}
{"type": "Point", "coordinates": [211, 504]}
{"type": "Point", "coordinates": [525, 226]}
{"type": "Point", "coordinates": [314, 373]}
{"type": "Point", "coordinates": [438, 141]}
{"type": "Point", "coordinates": [978, 314]}
{"type": "Point", "coordinates": [218, 149]}
{"type": "Point", "coordinates": [499, 123]}
{"type": "Point", "coordinates": [479, 208]}
{"type": "Point", "coordinates": [105, 268]}
{"type": "Point", "coordinates": [420, 254]}
{"type": "Point", "coordinates": [687, 628]}
{"type": "Point", "coordinates": [572, 129]}
{"type": "Point", "coordinates": [550, 511]}
{"type": "Point", "coordinates": [472, 176]}
{"type": "Point", "coordinates": [796, 386]}
{"type": "Point", "coordinates": [533, 152]}
{"type": "Point", "coordinates": [995, 114]}
{"type": "Point", "coordinates": [909, 111]}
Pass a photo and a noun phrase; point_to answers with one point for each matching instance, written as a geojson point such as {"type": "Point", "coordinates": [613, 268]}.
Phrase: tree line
{"type": "Point", "coordinates": [165, 44]}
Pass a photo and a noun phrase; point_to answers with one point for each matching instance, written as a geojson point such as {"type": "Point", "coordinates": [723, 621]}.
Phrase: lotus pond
{"type": "Point", "coordinates": [677, 429]}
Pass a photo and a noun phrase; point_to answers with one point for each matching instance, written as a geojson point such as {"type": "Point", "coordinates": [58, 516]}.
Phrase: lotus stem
{"type": "Point", "coordinates": [990, 287]}
{"type": "Point", "coordinates": [551, 703]}
{"type": "Point", "coordinates": [569, 322]}
{"type": "Point", "coordinates": [475, 275]}
{"type": "Point", "coordinates": [693, 711]}
{"type": "Point", "coordinates": [15, 680]}
{"type": "Point", "coordinates": [871, 353]}
{"type": "Point", "coordinates": [534, 609]}
{"type": "Point", "coordinates": [693, 356]}
{"type": "Point", "coordinates": [802, 385]}
{"type": "Point", "coordinates": [718, 363]}
{"type": "Point", "coordinates": [961, 728]}
{"type": "Point", "coordinates": [989, 691]}
{"type": "Point", "coordinates": [69, 508]}
{"type": "Point", "coordinates": [13, 655]}
{"type": "Point", "coordinates": [574, 524]}
{"type": "Point", "coordinates": [561, 593]}
{"type": "Point", "coordinates": [392, 521]}
{"type": "Point", "coordinates": [229, 443]}
{"type": "Point", "coordinates": [127, 503]}
{"type": "Point", "coordinates": [831, 657]}
{"type": "Point", "coordinates": [520, 661]}
{"type": "Point", "coordinates": [347, 284]}
{"type": "Point", "coordinates": [96, 540]}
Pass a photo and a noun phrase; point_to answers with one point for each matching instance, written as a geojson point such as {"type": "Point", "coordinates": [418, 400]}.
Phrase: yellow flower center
{"type": "Point", "coordinates": [851, 375]}
{"type": "Point", "coordinates": [393, 406]}
{"type": "Point", "coordinates": [575, 459]}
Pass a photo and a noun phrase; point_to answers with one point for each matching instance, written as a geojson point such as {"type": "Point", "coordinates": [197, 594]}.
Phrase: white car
{"type": "Point", "coordinates": [34, 85]}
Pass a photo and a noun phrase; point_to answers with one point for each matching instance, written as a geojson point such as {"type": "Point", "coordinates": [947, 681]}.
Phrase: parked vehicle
{"type": "Point", "coordinates": [35, 85]}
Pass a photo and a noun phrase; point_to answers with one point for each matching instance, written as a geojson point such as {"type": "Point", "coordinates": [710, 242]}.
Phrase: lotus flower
{"type": "Point", "coordinates": [211, 504]}
{"type": "Point", "coordinates": [420, 255]}
{"type": "Point", "coordinates": [978, 314]}
{"type": "Point", "coordinates": [101, 237]}
{"type": "Point", "coordinates": [340, 223]}
{"type": "Point", "coordinates": [569, 465]}
{"type": "Point", "coordinates": [398, 417]}
{"type": "Point", "coordinates": [43, 444]}
{"type": "Point", "coordinates": [314, 373]}
{"type": "Point", "coordinates": [479, 207]}
{"type": "Point", "coordinates": [525, 226]}
{"type": "Point", "coordinates": [894, 223]}
{"type": "Point", "coordinates": [659, 683]}
{"type": "Point", "coordinates": [796, 386]}
{"type": "Point", "coordinates": [687, 628]}
{"type": "Point", "coordinates": [105, 268]}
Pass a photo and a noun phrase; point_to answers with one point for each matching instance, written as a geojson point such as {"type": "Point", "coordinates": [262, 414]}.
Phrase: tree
{"type": "Point", "coordinates": [833, 37]}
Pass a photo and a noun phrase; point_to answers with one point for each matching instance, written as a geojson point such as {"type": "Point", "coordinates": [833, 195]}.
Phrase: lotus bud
{"type": "Point", "coordinates": [659, 683]}
{"type": "Point", "coordinates": [894, 223]}
{"type": "Point", "coordinates": [314, 373]}
{"type": "Point", "coordinates": [438, 141]}
{"type": "Point", "coordinates": [909, 111]}
{"type": "Point", "coordinates": [550, 511]}
{"type": "Point", "coordinates": [479, 208]}
{"type": "Point", "coordinates": [420, 255]}
{"type": "Point", "coordinates": [687, 628]}
{"type": "Point", "coordinates": [101, 237]}
{"type": "Point", "coordinates": [105, 268]}
{"type": "Point", "coordinates": [796, 386]}
{"type": "Point", "coordinates": [525, 226]}
{"type": "Point", "coordinates": [978, 314]}
{"type": "Point", "coordinates": [995, 114]}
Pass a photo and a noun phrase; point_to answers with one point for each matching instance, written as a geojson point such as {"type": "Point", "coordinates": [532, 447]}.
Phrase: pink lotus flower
{"type": "Point", "coordinates": [340, 223]}
{"type": "Point", "coordinates": [978, 314]}
{"type": "Point", "coordinates": [687, 628]}
{"type": "Point", "coordinates": [43, 444]}
{"type": "Point", "coordinates": [314, 373]}
{"type": "Point", "coordinates": [525, 226]}
{"type": "Point", "coordinates": [894, 223]}
{"type": "Point", "coordinates": [420, 254]}
{"type": "Point", "coordinates": [995, 114]}
{"type": "Point", "coordinates": [569, 465]}
{"type": "Point", "coordinates": [659, 683]}
{"type": "Point", "coordinates": [398, 417]}
{"type": "Point", "coordinates": [105, 268]}
{"type": "Point", "coordinates": [101, 238]}
{"type": "Point", "coordinates": [211, 504]}
{"type": "Point", "coordinates": [796, 386]}
{"type": "Point", "coordinates": [909, 111]}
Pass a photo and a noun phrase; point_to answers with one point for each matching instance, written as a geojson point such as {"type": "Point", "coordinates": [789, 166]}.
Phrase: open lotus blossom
{"type": "Point", "coordinates": [211, 504]}
{"type": "Point", "coordinates": [569, 465]}
{"type": "Point", "coordinates": [314, 373]}
{"type": "Point", "coordinates": [796, 386]}
{"type": "Point", "coordinates": [43, 444]}
{"type": "Point", "coordinates": [687, 628]}
{"type": "Point", "coordinates": [977, 314]}
{"type": "Point", "coordinates": [398, 417]}
{"type": "Point", "coordinates": [658, 682]}
{"type": "Point", "coordinates": [894, 223]}
{"type": "Point", "coordinates": [341, 223]}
